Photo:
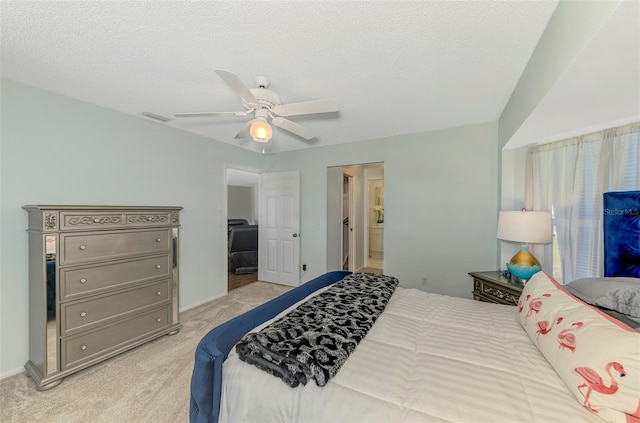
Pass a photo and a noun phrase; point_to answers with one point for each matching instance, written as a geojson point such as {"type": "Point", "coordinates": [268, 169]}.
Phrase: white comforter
{"type": "Point", "coordinates": [428, 358]}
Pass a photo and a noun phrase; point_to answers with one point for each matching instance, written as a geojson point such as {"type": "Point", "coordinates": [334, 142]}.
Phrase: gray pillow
{"type": "Point", "coordinates": [619, 294]}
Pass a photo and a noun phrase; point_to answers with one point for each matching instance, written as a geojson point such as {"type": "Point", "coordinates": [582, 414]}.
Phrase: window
{"type": "Point", "coordinates": [568, 178]}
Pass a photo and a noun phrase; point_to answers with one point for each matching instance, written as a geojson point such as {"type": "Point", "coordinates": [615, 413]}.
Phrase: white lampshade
{"type": "Point", "coordinates": [260, 131]}
{"type": "Point", "coordinates": [531, 227]}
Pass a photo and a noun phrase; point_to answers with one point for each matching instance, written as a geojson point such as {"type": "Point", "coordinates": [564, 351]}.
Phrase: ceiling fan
{"type": "Point", "coordinates": [265, 105]}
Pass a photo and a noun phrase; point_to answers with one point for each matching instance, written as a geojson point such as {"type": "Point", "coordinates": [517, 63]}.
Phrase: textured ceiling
{"type": "Point", "coordinates": [392, 67]}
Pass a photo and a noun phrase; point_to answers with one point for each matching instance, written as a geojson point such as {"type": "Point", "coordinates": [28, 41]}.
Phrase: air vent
{"type": "Point", "coordinates": [155, 116]}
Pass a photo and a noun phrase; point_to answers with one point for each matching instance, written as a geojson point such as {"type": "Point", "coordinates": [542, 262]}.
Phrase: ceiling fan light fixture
{"type": "Point", "coordinates": [267, 109]}
{"type": "Point", "coordinates": [261, 131]}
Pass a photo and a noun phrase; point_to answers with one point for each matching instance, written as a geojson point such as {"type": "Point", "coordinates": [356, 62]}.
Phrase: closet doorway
{"type": "Point", "coordinates": [242, 211]}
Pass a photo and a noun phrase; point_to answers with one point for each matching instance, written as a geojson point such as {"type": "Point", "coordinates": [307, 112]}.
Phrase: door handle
{"type": "Point", "coordinates": [295, 235]}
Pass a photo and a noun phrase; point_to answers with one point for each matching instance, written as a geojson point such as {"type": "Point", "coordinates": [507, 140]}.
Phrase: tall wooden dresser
{"type": "Point", "coordinates": [102, 280]}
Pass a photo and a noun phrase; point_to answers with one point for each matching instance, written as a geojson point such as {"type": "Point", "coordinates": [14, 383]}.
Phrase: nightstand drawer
{"type": "Point", "coordinates": [493, 287]}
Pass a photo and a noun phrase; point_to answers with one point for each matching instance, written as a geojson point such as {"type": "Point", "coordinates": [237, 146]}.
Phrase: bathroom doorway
{"type": "Point", "coordinates": [375, 221]}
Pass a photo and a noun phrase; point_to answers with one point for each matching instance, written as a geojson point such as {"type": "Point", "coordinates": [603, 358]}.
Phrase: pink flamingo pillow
{"type": "Point", "coordinates": [597, 356]}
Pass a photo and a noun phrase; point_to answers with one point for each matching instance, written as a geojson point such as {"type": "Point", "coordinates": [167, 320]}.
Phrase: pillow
{"type": "Point", "coordinates": [596, 356]}
{"type": "Point", "coordinates": [619, 294]}
{"type": "Point", "coordinates": [633, 322]}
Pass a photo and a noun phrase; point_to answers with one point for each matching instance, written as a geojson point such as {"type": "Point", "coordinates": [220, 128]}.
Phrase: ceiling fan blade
{"type": "Point", "coordinates": [238, 87]}
{"type": "Point", "coordinates": [244, 132]}
{"type": "Point", "coordinates": [293, 127]}
{"type": "Point", "coordinates": [202, 114]}
{"type": "Point", "coordinates": [306, 108]}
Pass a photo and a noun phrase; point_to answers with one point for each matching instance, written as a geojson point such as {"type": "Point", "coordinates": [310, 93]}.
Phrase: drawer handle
{"type": "Point", "coordinates": [96, 220]}
{"type": "Point", "coordinates": [159, 293]}
{"type": "Point", "coordinates": [83, 347]}
{"type": "Point", "coordinates": [83, 247]}
{"type": "Point", "coordinates": [83, 314]}
{"type": "Point", "coordinates": [83, 280]}
{"type": "Point", "coordinates": [158, 320]}
{"type": "Point", "coordinates": [158, 266]}
{"type": "Point", "coordinates": [158, 240]}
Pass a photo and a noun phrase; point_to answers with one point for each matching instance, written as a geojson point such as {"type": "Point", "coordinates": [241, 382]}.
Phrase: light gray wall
{"type": "Point", "coordinates": [440, 203]}
{"type": "Point", "coordinates": [240, 203]}
{"type": "Point", "coordinates": [57, 150]}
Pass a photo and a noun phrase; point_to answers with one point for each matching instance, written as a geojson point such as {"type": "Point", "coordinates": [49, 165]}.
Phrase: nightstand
{"type": "Point", "coordinates": [493, 287]}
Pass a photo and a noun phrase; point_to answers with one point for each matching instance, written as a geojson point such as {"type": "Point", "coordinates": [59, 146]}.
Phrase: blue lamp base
{"type": "Point", "coordinates": [523, 265]}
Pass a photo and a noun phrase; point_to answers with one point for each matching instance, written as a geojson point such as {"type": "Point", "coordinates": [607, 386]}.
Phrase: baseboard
{"type": "Point", "coordinates": [199, 303]}
{"type": "Point", "coordinates": [12, 373]}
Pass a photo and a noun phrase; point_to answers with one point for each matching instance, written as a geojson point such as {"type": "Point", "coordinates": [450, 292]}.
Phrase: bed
{"type": "Point", "coordinates": [434, 358]}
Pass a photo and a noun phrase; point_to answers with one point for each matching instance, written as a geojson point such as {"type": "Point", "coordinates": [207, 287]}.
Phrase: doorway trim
{"type": "Point", "coordinates": [353, 220]}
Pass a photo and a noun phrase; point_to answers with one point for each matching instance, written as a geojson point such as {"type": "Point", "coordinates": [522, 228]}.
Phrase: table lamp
{"type": "Point", "coordinates": [525, 227]}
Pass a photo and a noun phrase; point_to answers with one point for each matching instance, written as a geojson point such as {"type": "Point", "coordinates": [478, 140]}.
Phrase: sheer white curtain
{"type": "Point", "coordinates": [568, 178]}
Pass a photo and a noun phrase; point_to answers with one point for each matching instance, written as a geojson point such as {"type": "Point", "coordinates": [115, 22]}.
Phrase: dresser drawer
{"type": "Point", "coordinates": [85, 347]}
{"type": "Point", "coordinates": [148, 219]}
{"type": "Point", "coordinates": [80, 281]}
{"type": "Point", "coordinates": [87, 221]}
{"type": "Point", "coordinates": [80, 315]}
{"type": "Point", "coordinates": [78, 248]}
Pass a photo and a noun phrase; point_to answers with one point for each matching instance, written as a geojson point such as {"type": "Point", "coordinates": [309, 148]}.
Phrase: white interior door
{"type": "Point", "coordinates": [279, 228]}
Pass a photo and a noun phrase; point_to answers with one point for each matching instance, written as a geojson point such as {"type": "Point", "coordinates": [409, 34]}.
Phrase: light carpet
{"type": "Point", "coordinates": [147, 384]}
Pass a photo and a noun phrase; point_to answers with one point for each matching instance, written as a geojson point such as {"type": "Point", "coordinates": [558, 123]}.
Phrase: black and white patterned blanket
{"type": "Point", "coordinates": [313, 340]}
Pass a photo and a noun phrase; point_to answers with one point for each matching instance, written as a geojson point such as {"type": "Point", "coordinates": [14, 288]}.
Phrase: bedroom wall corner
{"type": "Point", "coordinates": [58, 150]}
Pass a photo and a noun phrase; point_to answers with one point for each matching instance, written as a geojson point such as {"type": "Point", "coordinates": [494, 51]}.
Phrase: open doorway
{"type": "Point", "coordinates": [242, 227]}
{"type": "Point", "coordinates": [375, 223]}
{"type": "Point", "coordinates": [352, 222]}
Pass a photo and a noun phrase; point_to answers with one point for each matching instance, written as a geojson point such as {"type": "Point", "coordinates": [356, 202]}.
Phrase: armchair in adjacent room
{"type": "Point", "coordinates": [243, 249]}
{"type": "Point", "coordinates": [231, 223]}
